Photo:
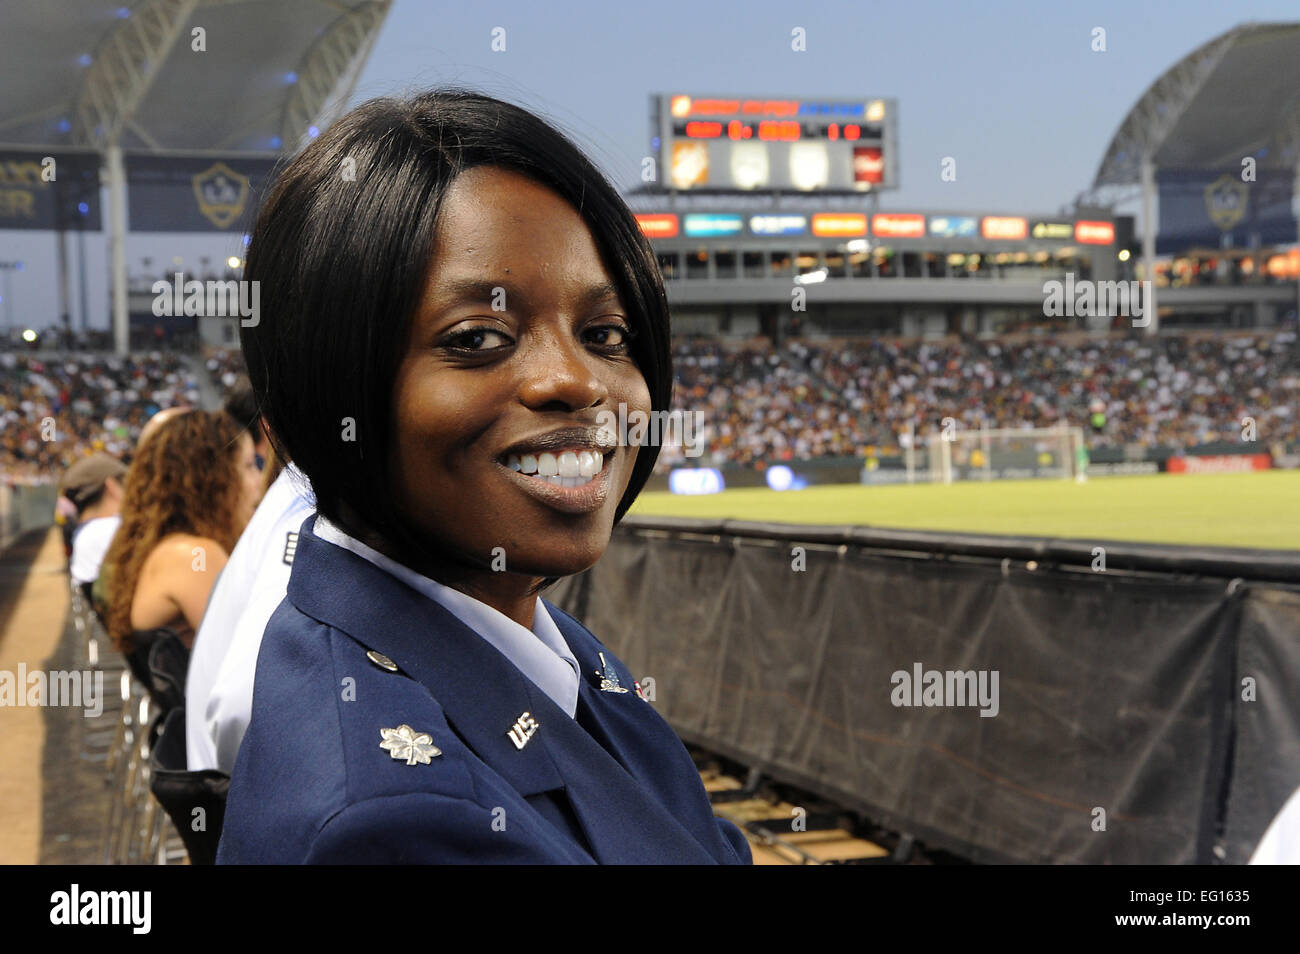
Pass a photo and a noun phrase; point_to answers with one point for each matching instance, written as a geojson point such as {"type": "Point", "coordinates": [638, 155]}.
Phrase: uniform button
{"type": "Point", "coordinates": [382, 661]}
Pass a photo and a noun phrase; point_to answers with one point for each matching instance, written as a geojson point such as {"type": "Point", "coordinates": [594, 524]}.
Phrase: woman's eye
{"type": "Point", "coordinates": [478, 339]}
{"type": "Point", "coordinates": [611, 336]}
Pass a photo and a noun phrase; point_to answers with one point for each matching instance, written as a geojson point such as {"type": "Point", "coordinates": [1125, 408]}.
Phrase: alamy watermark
{"type": "Point", "coordinates": [58, 687]}
{"type": "Point", "coordinates": [132, 909]}
{"type": "Point", "coordinates": [946, 688]}
{"type": "Point", "coordinates": [1089, 299]}
{"type": "Point", "coordinates": [675, 428]}
{"type": "Point", "coordinates": [210, 299]}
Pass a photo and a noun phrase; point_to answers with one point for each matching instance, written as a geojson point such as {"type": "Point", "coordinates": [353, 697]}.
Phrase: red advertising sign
{"type": "Point", "coordinates": [1219, 464]}
{"type": "Point", "coordinates": [657, 225]}
{"type": "Point", "coordinates": [898, 225]}
{"type": "Point", "coordinates": [868, 164]}
{"type": "Point", "coordinates": [1094, 233]}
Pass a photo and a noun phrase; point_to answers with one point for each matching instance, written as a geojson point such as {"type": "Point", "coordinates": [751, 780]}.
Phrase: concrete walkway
{"type": "Point", "coordinates": [33, 609]}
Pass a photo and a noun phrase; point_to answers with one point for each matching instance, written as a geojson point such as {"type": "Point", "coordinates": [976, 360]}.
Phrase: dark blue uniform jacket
{"type": "Point", "coordinates": [312, 783]}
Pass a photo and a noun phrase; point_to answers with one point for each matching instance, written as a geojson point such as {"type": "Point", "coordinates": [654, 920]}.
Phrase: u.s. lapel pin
{"type": "Point", "coordinates": [608, 678]}
{"type": "Point", "coordinates": [522, 730]}
{"type": "Point", "coordinates": [405, 743]}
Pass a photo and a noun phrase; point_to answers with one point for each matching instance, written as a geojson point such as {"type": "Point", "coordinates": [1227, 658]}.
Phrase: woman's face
{"type": "Point", "coordinates": [250, 479]}
{"type": "Point", "coordinates": [518, 334]}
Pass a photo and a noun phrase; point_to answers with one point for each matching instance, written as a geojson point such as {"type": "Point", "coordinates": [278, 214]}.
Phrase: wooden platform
{"type": "Point", "coordinates": [778, 842]}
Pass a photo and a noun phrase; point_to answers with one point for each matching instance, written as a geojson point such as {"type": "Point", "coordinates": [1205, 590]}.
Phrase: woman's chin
{"type": "Point", "coordinates": [556, 562]}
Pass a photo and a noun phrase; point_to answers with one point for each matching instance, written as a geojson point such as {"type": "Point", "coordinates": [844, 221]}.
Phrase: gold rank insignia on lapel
{"type": "Point", "coordinates": [522, 730]}
{"type": "Point", "coordinates": [405, 743]}
{"type": "Point", "coordinates": [609, 678]}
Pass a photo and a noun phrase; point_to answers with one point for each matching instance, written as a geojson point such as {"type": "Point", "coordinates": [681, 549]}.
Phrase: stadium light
{"type": "Point", "coordinates": [233, 261]}
{"type": "Point", "coordinates": [29, 335]}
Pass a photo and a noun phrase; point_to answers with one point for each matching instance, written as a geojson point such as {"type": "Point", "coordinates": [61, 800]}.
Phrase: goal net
{"type": "Point", "coordinates": [953, 453]}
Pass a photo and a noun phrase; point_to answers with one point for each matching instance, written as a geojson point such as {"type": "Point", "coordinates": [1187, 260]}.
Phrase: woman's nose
{"type": "Point", "coordinates": [561, 372]}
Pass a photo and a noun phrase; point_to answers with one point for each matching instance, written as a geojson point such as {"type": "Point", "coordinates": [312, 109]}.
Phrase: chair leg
{"type": "Point", "coordinates": [119, 769]}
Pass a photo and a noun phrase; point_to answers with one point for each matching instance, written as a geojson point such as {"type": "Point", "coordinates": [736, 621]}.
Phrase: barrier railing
{"type": "Point", "coordinates": [25, 507]}
{"type": "Point", "coordinates": [1137, 711]}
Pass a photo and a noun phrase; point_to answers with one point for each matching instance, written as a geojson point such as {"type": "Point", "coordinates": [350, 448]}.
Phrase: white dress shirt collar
{"type": "Point", "coordinates": [540, 654]}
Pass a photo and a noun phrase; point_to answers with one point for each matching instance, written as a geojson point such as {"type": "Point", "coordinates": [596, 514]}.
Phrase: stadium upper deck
{"type": "Point", "coordinates": [731, 269]}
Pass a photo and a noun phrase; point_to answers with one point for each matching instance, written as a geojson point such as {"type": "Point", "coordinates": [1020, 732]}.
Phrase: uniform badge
{"type": "Point", "coordinates": [522, 730]}
{"type": "Point", "coordinates": [405, 743]}
{"type": "Point", "coordinates": [609, 678]}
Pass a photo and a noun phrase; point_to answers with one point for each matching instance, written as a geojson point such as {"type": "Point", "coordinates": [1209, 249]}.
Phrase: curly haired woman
{"type": "Point", "coordinates": [191, 489]}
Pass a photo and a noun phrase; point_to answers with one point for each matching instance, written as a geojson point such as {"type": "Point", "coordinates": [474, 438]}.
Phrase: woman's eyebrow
{"type": "Point", "coordinates": [456, 291]}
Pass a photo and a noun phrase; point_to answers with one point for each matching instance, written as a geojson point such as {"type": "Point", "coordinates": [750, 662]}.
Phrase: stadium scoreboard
{"type": "Point", "coordinates": [774, 144]}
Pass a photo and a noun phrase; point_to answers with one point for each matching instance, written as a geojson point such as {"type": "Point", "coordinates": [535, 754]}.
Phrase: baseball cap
{"type": "Point", "coordinates": [84, 479]}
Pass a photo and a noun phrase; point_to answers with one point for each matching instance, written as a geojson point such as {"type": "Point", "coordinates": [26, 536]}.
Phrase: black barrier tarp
{"type": "Point", "coordinates": [1265, 763]}
{"type": "Point", "coordinates": [1115, 690]}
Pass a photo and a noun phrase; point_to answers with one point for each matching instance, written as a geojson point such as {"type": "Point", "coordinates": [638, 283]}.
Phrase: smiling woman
{"type": "Point", "coordinates": [453, 299]}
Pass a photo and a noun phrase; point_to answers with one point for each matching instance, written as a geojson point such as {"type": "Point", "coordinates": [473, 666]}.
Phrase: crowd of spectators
{"type": "Point", "coordinates": [225, 366]}
{"type": "Point", "coordinates": [56, 410]}
{"type": "Point", "coordinates": [759, 404]}
{"type": "Point", "coordinates": [1170, 391]}
{"type": "Point", "coordinates": [815, 399]}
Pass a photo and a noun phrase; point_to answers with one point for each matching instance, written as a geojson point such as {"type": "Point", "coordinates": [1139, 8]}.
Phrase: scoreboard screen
{"type": "Point", "coordinates": [772, 144]}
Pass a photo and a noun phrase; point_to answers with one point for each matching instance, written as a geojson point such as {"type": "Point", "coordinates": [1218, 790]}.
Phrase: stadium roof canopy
{"type": "Point", "coordinates": [1236, 96]}
{"type": "Point", "coordinates": [96, 74]}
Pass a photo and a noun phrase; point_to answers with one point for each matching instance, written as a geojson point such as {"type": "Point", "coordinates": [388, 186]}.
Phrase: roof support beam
{"type": "Point", "coordinates": [1149, 123]}
{"type": "Point", "coordinates": [329, 72]}
{"type": "Point", "coordinates": [124, 68]}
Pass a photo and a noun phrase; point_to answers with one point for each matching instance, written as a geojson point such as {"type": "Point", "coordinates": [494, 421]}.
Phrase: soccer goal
{"type": "Point", "coordinates": [954, 453]}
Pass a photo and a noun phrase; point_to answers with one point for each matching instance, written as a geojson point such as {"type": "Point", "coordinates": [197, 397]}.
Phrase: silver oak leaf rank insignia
{"type": "Point", "coordinates": [405, 743]}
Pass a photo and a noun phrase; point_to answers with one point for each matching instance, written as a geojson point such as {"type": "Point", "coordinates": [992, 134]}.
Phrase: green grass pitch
{"type": "Point", "coordinates": [1260, 509]}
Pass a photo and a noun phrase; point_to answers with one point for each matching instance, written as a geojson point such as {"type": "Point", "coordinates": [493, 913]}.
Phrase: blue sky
{"type": "Point", "coordinates": [1011, 89]}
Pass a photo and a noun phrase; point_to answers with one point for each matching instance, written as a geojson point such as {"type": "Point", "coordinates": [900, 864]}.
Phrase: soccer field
{"type": "Point", "coordinates": [1259, 509]}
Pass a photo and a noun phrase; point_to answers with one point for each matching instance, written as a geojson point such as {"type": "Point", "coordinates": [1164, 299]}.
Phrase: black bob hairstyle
{"type": "Point", "coordinates": [342, 250]}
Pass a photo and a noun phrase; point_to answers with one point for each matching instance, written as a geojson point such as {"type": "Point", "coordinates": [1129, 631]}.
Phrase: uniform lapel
{"type": "Point", "coordinates": [464, 673]}
{"type": "Point", "coordinates": [483, 696]}
{"type": "Point", "coordinates": [641, 740]}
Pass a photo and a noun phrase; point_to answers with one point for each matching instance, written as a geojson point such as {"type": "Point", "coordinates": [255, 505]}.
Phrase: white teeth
{"type": "Point", "coordinates": [569, 469]}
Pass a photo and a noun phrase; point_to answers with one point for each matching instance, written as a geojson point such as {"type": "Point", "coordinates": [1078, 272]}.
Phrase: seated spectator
{"type": "Point", "coordinates": [94, 485]}
{"type": "Point", "coordinates": [191, 489]}
{"type": "Point", "coordinates": [219, 690]}
{"type": "Point", "coordinates": [241, 404]}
